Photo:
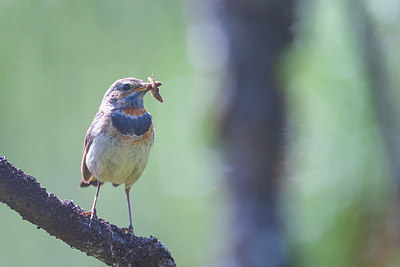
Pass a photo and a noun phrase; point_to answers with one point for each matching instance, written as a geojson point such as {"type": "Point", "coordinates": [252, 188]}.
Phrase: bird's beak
{"type": "Point", "coordinates": [147, 86]}
{"type": "Point", "coordinates": [142, 88]}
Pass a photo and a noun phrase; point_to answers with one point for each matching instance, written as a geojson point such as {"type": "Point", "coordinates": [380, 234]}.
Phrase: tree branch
{"type": "Point", "coordinates": [62, 219]}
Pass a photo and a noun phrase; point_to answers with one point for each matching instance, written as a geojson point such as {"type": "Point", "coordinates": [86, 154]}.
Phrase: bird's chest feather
{"type": "Point", "coordinates": [129, 123]}
{"type": "Point", "coordinates": [132, 134]}
{"type": "Point", "coordinates": [120, 151]}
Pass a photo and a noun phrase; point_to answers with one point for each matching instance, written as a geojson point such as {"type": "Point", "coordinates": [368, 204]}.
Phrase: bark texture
{"type": "Point", "coordinates": [63, 219]}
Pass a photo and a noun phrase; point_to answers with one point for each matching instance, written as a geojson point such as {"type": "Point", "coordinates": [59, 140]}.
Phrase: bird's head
{"type": "Point", "coordinates": [126, 93]}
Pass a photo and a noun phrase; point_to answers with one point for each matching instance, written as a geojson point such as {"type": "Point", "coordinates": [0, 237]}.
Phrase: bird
{"type": "Point", "coordinates": [118, 141]}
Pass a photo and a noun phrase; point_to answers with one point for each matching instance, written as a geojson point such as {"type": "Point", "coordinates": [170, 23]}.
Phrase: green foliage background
{"type": "Point", "coordinates": [57, 59]}
{"type": "Point", "coordinates": [343, 139]}
{"type": "Point", "coordinates": [339, 201]}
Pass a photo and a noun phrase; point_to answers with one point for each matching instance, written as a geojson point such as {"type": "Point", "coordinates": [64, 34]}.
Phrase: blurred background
{"type": "Point", "coordinates": [277, 143]}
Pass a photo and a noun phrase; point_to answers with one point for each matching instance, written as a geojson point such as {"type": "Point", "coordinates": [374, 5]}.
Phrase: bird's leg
{"type": "Point", "coordinates": [92, 212]}
{"type": "Point", "coordinates": [129, 209]}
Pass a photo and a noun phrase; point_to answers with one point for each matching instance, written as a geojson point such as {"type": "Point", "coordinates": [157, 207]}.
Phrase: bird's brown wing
{"type": "Point", "coordinates": [87, 176]}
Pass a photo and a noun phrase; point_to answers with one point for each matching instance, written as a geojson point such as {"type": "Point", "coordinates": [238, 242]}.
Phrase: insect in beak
{"type": "Point", "coordinates": [153, 86]}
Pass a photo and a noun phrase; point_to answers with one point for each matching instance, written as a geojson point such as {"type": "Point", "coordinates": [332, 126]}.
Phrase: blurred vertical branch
{"type": "Point", "coordinates": [257, 32]}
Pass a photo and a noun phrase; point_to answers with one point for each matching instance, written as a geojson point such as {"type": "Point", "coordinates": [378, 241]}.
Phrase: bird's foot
{"type": "Point", "coordinates": [92, 214]}
{"type": "Point", "coordinates": [86, 213]}
{"type": "Point", "coordinates": [128, 230]}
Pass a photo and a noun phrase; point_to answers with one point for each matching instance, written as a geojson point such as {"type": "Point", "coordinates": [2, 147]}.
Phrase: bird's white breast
{"type": "Point", "coordinates": [117, 158]}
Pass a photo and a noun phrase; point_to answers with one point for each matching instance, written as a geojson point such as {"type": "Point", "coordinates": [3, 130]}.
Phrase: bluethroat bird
{"type": "Point", "coordinates": [118, 141]}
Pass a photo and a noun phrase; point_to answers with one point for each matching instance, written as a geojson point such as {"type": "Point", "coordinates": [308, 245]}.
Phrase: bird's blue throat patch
{"type": "Point", "coordinates": [129, 125]}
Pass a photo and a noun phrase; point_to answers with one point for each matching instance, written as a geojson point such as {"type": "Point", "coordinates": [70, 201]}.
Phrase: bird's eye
{"type": "Point", "coordinates": [126, 87]}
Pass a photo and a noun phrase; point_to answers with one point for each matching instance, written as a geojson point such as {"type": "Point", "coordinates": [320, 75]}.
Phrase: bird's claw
{"type": "Point", "coordinates": [92, 214]}
{"type": "Point", "coordinates": [128, 230]}
{"type": "Point", "coordinates": [86, 213]}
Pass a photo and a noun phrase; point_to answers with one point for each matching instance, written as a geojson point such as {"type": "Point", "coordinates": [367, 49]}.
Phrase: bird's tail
{"type": "Point", "coordinates": [92, 181]}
